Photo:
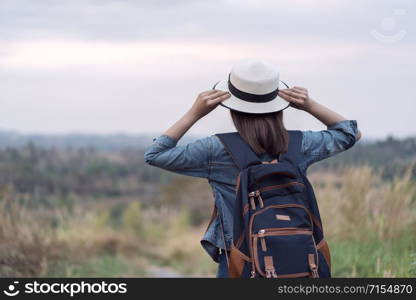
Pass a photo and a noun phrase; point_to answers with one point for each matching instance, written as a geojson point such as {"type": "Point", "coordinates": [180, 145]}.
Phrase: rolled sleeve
{"type": "Point", "coordinates": [165, 140]}
{"type": "Point", "coordinates": [338, 137]}
{"type": "Point", "coordinates": [191, 159]}
{"type": "Point", "coordinates": [348, 127]}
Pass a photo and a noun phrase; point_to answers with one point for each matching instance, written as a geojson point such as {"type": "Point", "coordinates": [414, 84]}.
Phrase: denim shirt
{"type": "Point", "coordinates": [207, 158]}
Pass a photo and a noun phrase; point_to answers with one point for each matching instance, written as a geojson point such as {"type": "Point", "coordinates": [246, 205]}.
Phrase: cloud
{"type": "Point", "coordinates": [107, 66]}
{"type": "Point", "coordinates": [61, 54]}
{"type": "Point", "coordinates": [192, 20]}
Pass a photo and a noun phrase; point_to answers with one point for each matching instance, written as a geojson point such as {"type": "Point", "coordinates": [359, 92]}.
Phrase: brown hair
{"type": "Point", "coordinates": [265, 133]}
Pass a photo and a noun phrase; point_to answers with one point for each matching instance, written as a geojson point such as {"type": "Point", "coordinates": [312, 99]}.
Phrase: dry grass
{"type": "Point", "coordinates": [356, 205]}
{"type": "Point", "coordinates": [356, 202]}
{"type": "Point", "coordinates": [26, 249]}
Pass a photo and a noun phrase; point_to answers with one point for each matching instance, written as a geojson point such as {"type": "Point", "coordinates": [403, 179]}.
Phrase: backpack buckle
{"type": "Point", "coordinates": [313, 266]}
{"type": "Point", "coordinates": [252, 195]}
{"type": "Point", "coordinates": [271, 273]}
{"type": "Point", "coordinates": [252, 203]}
{"type": "Point", "coordinates": [269, 267]}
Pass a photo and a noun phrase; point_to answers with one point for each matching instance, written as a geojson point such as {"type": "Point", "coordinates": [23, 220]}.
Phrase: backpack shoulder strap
{"type": "Point", "coordinates": [294, 153]}
{"type": "Point", "coordinates": [241, 153]}
{"type": "Point", "coordinates": [244, 156]}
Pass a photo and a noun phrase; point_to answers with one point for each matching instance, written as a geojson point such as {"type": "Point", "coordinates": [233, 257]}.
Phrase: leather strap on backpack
{"type": "Point", "coordinates": [241, 153]}
{"type": "Point", "coordinates": [269, 267]}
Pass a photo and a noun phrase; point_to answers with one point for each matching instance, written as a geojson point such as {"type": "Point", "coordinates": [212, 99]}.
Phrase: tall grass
{"type": "Point", "coordinates": [85, 242]}
{"type": "Point", "coordinates": [370, 225]}
{"type": "Point", "coordinates": [26, 247]}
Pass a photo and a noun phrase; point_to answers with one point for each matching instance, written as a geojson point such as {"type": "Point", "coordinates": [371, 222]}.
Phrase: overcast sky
{"type": "Point", "coordinates": [109, 66]}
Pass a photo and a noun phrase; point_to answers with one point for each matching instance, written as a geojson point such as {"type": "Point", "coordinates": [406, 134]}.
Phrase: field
{"type": "Point", "coordinates": [146, 223]}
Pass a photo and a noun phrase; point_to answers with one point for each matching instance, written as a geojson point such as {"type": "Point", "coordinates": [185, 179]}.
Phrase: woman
{"type": "Point", "coordinates": [256, 99]}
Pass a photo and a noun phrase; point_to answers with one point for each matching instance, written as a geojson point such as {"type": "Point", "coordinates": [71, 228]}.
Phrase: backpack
{"type": "Point", "coordinates": [277, 231]}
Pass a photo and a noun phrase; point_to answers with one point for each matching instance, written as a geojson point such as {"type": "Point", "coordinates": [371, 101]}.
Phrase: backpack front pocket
{"type": "Point", "coordinates": [285, 252]}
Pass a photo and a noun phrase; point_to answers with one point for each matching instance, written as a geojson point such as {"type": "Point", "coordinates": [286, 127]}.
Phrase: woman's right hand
{"type": "Point", "coordinates": [207, 101]}
{"type": "Point", "coordinates": [297, 96]}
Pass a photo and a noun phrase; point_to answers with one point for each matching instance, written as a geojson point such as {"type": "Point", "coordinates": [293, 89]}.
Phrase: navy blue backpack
{"type": "Point", "coordinates": [277, 231]}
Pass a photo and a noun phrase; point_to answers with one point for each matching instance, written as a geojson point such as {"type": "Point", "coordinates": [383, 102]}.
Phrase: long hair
{"type": "Point", "coordinates": [265, 133]}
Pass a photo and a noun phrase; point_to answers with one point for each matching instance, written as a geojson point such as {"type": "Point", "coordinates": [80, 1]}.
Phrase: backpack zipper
{"type": "Point", "coordinates": [251, 235]}
{"type": "Point", "coordinates": [254, 194]}
{"type": "Point", "coordinates": [257, 193]}
{"type": "Point", "coordinates": [279, 186]}
{"type": "Point", "coordinates": [282, 231]}
{"type": "Point", "coordinates": [262, 233]}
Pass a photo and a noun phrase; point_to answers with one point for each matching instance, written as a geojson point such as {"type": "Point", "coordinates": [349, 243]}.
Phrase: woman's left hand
{"type": "Point", "coordinates": [207, 101]}
{"type": "Point", "coordinates": [297, 96]}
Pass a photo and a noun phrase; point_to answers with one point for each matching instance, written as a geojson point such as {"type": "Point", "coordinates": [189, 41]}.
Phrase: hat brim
{"type": "Point", "coordinates": [234, 103]}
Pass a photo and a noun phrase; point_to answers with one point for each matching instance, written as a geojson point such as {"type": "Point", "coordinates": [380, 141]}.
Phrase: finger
{"type": "Point", "coordinates": [295, 101]}
{"type": "Point", "coordinates": [215, 95]}
{"type": "Point", "coordinates": [221, 91]}
{"type": "Point", "coordinates": [219, 99]}
{"type": "Point", "coordinates": [284, 96]}
{"type": "Point", "coordinates": [302, 91]}
{"type": "Point", "coordinates": [289, 90]}
{"type": "Point", "coordinates": [299, 88]}
{"type": "Point", "coordinates": [292, 99]}
{"type": "Point", "coordinates": [293, 93]}
{"type": "Point", "coordinates": [209, 96]}
{"type": "Point", "coordinates": [220, 95]}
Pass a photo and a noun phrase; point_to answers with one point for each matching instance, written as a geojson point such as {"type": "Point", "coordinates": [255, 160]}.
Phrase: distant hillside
{"type": "Point", "coordinates": [111, 142]}
{"type": "Point", "coordinates": [107, 142]}
{"type": "Point", "coordinates": [113, 165]}
{"type": "Point", "coordinates": [391, 154]}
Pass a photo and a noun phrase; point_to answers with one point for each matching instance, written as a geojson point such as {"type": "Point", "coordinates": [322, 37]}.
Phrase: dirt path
{"type": "Point", "coordinates": [163, 272]}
